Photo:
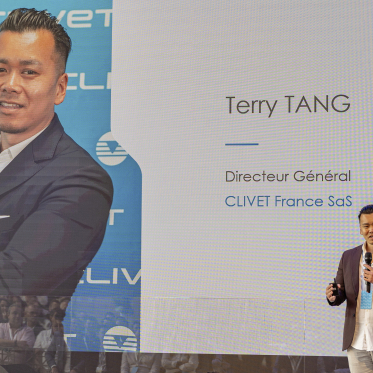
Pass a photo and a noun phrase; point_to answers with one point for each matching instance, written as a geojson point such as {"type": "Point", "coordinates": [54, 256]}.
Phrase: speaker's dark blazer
{"type": "Point", "coordinates": [348, 278]}
{"type": "Point", "coordinates": [58, 199]}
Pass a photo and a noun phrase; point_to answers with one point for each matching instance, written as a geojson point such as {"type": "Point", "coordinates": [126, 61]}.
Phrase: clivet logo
{"type": "Point", "coordinates": [79, 18]}
{"type": "Point", "coordinates": [108, 151]}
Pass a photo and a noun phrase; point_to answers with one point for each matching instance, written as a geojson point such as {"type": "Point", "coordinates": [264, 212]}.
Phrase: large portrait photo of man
{"type": "Point", "coordinates": [70, 195]}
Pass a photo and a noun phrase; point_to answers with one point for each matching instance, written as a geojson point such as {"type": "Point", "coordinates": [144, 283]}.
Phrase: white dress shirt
{"type": "Point", "coordinates": [9, 154]}
{"type": "Point", "coordinates": [23, 333]}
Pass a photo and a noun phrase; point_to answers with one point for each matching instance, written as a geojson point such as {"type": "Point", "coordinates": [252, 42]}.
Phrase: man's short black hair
{"type": "Point", "coordinates": [366, 210]}
{"type": "Point", "coordinates": [24, 19]}
{"type": "Point", "coordinates": [58, 314]}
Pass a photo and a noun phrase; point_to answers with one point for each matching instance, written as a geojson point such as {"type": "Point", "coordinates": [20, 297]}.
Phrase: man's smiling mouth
{"type": "Point", "coordinates": [10, 105]}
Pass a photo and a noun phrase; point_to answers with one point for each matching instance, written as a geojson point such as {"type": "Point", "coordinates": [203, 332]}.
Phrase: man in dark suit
{"type": "Point", "coordinates": [352, 275]}
{"type": "Point", "coordinates": [54, 198]}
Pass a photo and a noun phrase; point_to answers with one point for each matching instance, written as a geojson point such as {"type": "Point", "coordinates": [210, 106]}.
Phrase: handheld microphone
{"type": "Point", "coordinates": [368, 260]}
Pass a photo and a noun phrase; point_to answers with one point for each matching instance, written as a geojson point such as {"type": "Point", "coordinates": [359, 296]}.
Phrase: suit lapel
{"type": "Point", "coordinates": [18, 171]}
{"type": "Point", "coordinates": [30, 160]}
{"type": "Point", "coordinates": [355, 267]}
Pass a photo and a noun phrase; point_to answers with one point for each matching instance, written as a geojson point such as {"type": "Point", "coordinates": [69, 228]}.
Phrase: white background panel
{"type": "Point", "coordinates": [174, 64]}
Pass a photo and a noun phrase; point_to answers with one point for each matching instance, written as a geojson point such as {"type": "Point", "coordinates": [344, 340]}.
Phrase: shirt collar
{"type": "Point", "coordinates": [14, 150]}
{"type": "Point", "coordinates": [364, 251]}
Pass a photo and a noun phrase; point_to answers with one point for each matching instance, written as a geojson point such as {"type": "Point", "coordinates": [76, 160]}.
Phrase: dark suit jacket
{"type": "Point", "coordinates": [348, 278]}
{"type": "Point", "coordinates": [56, 352]}
{"type": "Point", "coordinates": [56, 355]}
{"type": "Point", "coordinates": [58, 199]}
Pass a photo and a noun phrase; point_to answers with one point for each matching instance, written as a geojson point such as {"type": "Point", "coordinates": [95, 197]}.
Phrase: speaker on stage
{"type": "Point", "coordinates": [16, 368]}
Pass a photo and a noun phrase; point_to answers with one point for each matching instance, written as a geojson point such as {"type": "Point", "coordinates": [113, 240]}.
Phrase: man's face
{"type": "Point", "coordinates": [57, 325]}
{"type": "Point", "coordinates": [15, 317]}
{"type": "Point", "coordinates": [32, 314]}
{"type": "Point", "coordinates": [30, 84]}
{"type": "Point", "coordinates": [366, 227]}
{"type": "Point", "coordinates": [53, 305]}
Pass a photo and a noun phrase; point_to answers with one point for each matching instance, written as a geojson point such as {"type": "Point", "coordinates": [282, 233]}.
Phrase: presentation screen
{"type": "Point", "coordinates": [251, 124]}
